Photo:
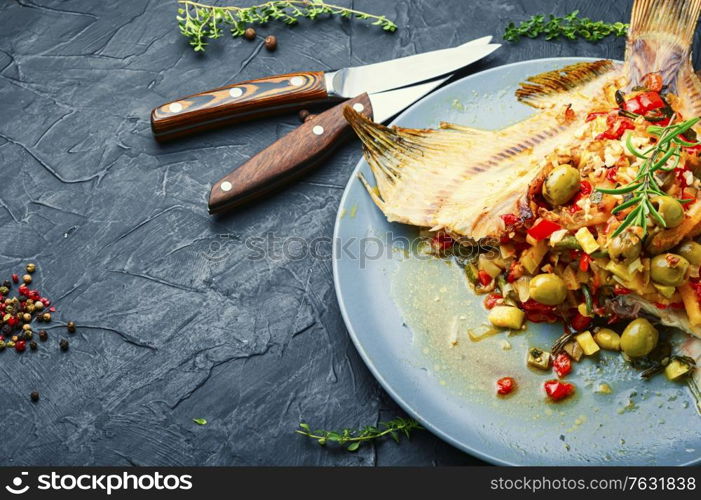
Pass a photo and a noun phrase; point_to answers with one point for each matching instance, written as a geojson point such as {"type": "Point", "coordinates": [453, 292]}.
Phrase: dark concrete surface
{"type": "Point", "coordinates": [177, 318]}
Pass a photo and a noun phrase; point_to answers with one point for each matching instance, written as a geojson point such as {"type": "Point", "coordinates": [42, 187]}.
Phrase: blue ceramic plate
{"type": "Point", "coordinates": [414, 322]}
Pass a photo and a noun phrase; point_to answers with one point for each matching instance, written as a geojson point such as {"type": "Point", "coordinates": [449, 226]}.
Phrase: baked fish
{"type": "Point", "coordinates": [593, 202]}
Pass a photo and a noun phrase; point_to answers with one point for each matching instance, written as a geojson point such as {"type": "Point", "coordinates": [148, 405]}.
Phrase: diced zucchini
{"type": "Point", "coordinates": [574, 350]}
{"type": "Point", "coordinates": [691, 304]}
{"type": "Point", "coordinates": [677, 369]}
{"type": "Point", "coordinates": [604, 388]}
{"type": "Point", "coordinates": [665, 291]}
{"type": "Point", "coordinates": [489, 267]}
{"type": "Point", "coordinates": [507, 317]}
{"type": "Point", "coordinates": [532, 256]}
{"type": "Point", "coordinates": [568, 242]}
{"type": "Point", "coordinates": [569, 276]}
{"type": "Point", "coordinates": [538, 358]}
{"type": "Point", "coordinates": [587, 343]}
{"type": "Point", "coordinates": [619, 270]}
{"type": "Point", "coordinates": [586, 240]}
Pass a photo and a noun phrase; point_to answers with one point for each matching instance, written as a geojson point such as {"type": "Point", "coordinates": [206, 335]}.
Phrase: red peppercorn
{"type": "Point", "coordinates": [23, 290]}
{"type": "Point", "coordinates": [557, 390]}
{"type": "Point", "coordinates": [562, 364]}
{"type": "Point", "coordinates": [505, 385]}
{"type": "Point", "coordinates": [15, 278]}
{"type": "Point", "coordinates": [13, 321]}
{"type": "Point", "coordinates": [20, 345]}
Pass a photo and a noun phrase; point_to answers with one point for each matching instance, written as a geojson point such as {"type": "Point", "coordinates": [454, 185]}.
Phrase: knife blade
{"type": "Point", "coordinates": [267, 96]}
{"type": "Point", "coordinates": [303, 148]}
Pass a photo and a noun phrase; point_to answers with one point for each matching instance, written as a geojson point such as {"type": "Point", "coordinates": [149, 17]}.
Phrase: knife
{"type": "Point", "coordinates": [267, 96]}
{"type": "Point", "coordinates": [295, 153]}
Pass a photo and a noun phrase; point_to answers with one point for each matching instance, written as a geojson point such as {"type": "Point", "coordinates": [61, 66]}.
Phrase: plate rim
{"type": "Point", "coordinates": [411, 411]}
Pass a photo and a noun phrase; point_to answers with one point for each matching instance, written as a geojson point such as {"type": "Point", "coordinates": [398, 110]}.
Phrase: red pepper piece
{"type": "Point", "coordinates": [584, 261]}
{"type": "Point", "coordinates": [592, 116]}
{"type": "Point", "coordinates": [484, 277]}
{"type": "Point", "coordinates": [642, 103]}
{"type": "Point", "coordinates": [616, 126]}
{"type": "Point", "coordinates": [492, 300]}
{"type": "Point", "coordinates": [585, 189]}
{"type": "Point", "coordinates": [562, 365]}
{"type": "Point", "coordinates": [557, 390]}
{"type": "Point", "coordinates": [620, 290]}
{"type": "Point", "coordinates": [505, 385]}
{"type": "Point", "coordinates": [539, 313]}
{"type": "Point", "coordinates": [543, 229]}
{"type": "Point", "coordinates": [611, 174]}
{"type": "Point", "coordinates": [580, 322]}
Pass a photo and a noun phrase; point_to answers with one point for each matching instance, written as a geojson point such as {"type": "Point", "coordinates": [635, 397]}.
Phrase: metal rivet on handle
{"type": "Point", "coordinates": [175, 107]}
{"type": "Point", "coordinates": [226, 186]}
{"type": "Point", "coordinates": [297, 81]}
{"type": "Point", "coordinates": [358, 107]}
{"type": "Point", "coordinates": [318, 130]}
{"type": "Point", "coordinates": [236, 92]}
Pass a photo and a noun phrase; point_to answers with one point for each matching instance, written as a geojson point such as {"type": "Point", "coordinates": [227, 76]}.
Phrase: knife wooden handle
{"type": "Point", "coordinates": [237, 102]}
{"type": "Point", "coordinates": [287, 158]}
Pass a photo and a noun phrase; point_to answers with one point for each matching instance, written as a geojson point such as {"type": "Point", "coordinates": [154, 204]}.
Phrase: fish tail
{"type": "Point", "coordinates": [660, 39]}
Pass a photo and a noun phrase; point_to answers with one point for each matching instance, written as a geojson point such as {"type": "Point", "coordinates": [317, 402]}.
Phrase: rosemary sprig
{"type": "Point", "coordinates": [353, 438]}
{"type": "Point", "coordinates": [570, 26]}
{"type": "Point", "coordinates": [201, 22]}
{"type": "Point", "coordinates": [644, 186]}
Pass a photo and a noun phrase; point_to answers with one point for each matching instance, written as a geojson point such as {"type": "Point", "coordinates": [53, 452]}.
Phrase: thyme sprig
{"type": "Point", "coordinates": [570, 26]}
{"type": "Point", "coordinates": [645, 186]}
{"type": "Point", "coordinates": [353, 438]}
{"type": "Point", "coordinates": [201, 22]}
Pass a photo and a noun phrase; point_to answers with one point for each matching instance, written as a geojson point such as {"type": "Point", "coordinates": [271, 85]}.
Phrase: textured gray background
{"type": "Point", "coordinates": [176, 320]}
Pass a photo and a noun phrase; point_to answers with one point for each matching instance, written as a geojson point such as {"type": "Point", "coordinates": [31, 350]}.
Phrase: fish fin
{"type": "Point", "coordinates": [546, 89]}
{"type": "Point", "coordinates": [659, 40]}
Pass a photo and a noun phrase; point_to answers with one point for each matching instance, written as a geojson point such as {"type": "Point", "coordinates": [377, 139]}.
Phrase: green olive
{"type": "Point", "coordinates": [691, 251]}
{"type": "Point", "coordinates": [670, 209]}
{"type": "Point", "coordinates": [561, 185]}
{"type": "Point", "coordinates": [668, 269]}
{"type": "Point", "coordinates": [625, 247]}
{"type": "Point", "coordinates": [548, 289]}
{"type": "Point", "coordinates": [639, 338]}
{"type": "Point", "coordinates": [608, 339]}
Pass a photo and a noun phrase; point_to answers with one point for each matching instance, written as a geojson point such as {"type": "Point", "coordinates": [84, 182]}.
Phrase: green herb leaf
{"type": "Point", "coordinates": [200, 421]}
{"type": "Point", "coordinates": [570, 26]}
{"type": "Point", "coordinates": [200, 22]}
{"type": "Point", "coordinates": [353, 438]}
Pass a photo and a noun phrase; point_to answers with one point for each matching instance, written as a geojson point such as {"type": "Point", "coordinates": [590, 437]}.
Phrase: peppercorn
{"type": "Point", "coordinates": [28, 334]}
{"type": "Point", "coordinates": [43, 335]}
{"type": "Point", "coordinates": [4, 290]}
{"type": "Point", "coordinates": [271, 42]}
{"type": "Point", "coordinates": [249, 34]}
{"type": "Point", "coordinates": [15, 278]}
{"type": "Point", "coordinates": [26, 327]}
{"type": "Point", "coordinates": [2, 345]}
{"type": "Point", "coordinates": [27, 278]}
{"type": "Point", "coordinates": [63, 344]}
{"type": "Point", "coordinates": [15, 338]}
{"type": "Point", "coordinates": [38, 305]}
{"type": "Point", "coordinates": [29, 308]}
{"type": "Point", "coordinates": [7, 284]}
{"type": "Point", "coordinates": [303, 114]}
{"type": "Point", "coordinates": [6, 329]}
{"type": "Point", "coordinates": [33, 345]}
{"type": "Point", "coordinates": [31, 267]}
{"type": "Point", "coordinates": [10, 308]}
{"type": "Point", "coordinates": [46, 317]}
{"type": "Point", "coordinates": [10, 344]}
{"type": "Point", "coordinates": [26, 317]}
{"type": "Point", "coordinates": [34, 396]}
{"type": "Point", "coordinates": [20, 345]}
{"type": "Point", "coordinates": [71, 326]}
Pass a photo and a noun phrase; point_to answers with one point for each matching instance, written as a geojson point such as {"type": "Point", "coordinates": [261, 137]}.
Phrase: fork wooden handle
{"type": "Point", "coordinates": [287, 158]}
{"type": "Point", "coordinates": [235, 103]}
